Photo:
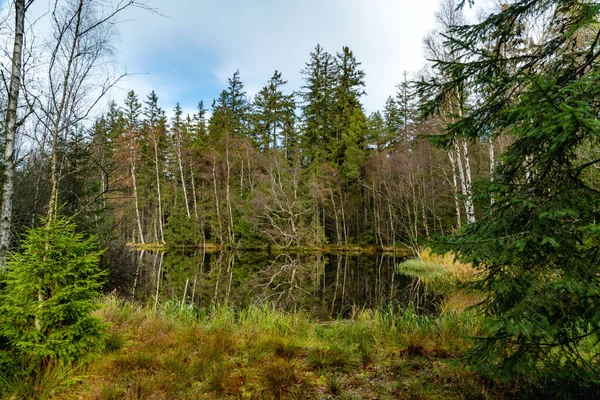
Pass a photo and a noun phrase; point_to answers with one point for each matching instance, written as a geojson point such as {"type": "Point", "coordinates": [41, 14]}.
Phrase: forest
{"type": "Point", "coordinates": [288, 169]}
{"type": "Point", "coordinates": [477, 181]}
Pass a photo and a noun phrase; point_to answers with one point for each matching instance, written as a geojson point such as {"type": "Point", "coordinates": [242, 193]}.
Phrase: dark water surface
{"type": "Point", "coordinates": [326, 285]}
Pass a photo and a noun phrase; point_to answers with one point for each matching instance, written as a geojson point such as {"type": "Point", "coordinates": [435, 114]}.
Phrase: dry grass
{"type": "Point", "coordinates": [458, 301]}
{"type": "Point", "coordinates": [261, 353]}
{"type": "Point", "coordinates": [441, 274]}
{"type": "Point", "coordinates": [460, 272]}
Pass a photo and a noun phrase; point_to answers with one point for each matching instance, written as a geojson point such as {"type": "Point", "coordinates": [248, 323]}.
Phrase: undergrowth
{"type": "Point", "coordinates": [182, 352]}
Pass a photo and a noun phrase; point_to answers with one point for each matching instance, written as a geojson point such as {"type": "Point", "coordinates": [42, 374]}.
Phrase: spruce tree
{"type": "Point", "coordinates": [350, 82]}
{"type": "Point", "coordinates": [49, 292]}
{"type": "Point", "coordinates": [197, 128]}
{"type": "Point", "coordinates": [221, 121]}
{"type": "Point", "coordinates": [392, 117]}
{"type": "Point", "coordinates": [537, 246]}
{"type": "Point", "coordinates": [376, 132]}
{"type": "Point", "coordinates": [132, 111]}
{"type": "Point", "coordinates": [238, 106]}
{"type": "Point", "coordinates": [273, 114]}
{"type": "Point", "coordinates": [318, 106]}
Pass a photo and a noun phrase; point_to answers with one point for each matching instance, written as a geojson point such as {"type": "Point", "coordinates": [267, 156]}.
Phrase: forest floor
{"type": "Point", "coordinates": [184, 352]}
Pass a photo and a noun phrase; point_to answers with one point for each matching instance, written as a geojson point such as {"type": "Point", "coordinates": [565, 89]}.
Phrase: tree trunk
{"type": "Point", "coordinates": [216, 193]}
{"type": "Point", "coordinates": [455, 188]}
{"type": "Point", "coordinates": [492, 165]}
{"type": "Point", "coordinates": [195, 198]}
{"type": "Point", "coordinates": [337, 221]}
{"type": "Point", "coordinates": [469, 198]}
{"type": "Point", "coordinates": [135, 191]}
{"type": "Point", "coordinates": [11, 129]}
{"type": "Point", "coordinates": [53, 203]}
{"type": "Point", "coordinates": [158, 192]}
{"type": "Point", "coordinates": [228, 195]}
{"type": "Point", "coordinates": [464, 183]}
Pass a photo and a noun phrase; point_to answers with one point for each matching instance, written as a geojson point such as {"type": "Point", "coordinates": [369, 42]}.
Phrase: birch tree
{"type": "Point", "coordinates": [455, 103]}
{"type": "Point", "coordinates": [76, 78]}
{"type": "Point", "coordinates": [11, 125]}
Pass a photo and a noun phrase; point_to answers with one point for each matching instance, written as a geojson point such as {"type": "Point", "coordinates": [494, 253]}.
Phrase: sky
{"type": "Point", "coordinates": [188, 49]}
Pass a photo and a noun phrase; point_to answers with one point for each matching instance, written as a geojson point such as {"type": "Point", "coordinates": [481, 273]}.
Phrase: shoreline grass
{"type": "Point", "coordinates": [259, 352]}
{"type": "Point", "coordinates": [443, 274]}
{"type": "Point", "coordinates": [400, 250]}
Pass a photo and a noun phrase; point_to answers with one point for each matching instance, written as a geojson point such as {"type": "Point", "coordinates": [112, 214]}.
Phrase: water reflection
{"type": "Point", "coordinates": [327, 285]}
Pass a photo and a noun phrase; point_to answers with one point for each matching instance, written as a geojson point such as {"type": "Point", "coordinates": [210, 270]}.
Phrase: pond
{"type": "Point", "coordinates": [326, 285]}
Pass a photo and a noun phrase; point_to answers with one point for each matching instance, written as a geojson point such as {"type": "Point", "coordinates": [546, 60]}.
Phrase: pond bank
{"type": "Point", "coordinates": [185, 352]}
{"type": "Point", "coordinates": [177, 350]}
{"type": "Point", "coordinates": [400, 250]}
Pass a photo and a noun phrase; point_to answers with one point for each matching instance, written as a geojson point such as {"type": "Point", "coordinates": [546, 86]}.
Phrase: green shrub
{"type": "Point", "coordinates": [49, 293]}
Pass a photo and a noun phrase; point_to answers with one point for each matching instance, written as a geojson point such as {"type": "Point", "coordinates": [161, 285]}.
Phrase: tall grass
{"type": "Point", "coordinates": [443, 271]}
{"type": "Point", "coordinates": [179, 352]}
{"type": "Point", "coordinates": [460, 272]}
{"type": "Point", "coordinates": [258, 351]}
{"type": "Point", "coordinates": [48, 384]}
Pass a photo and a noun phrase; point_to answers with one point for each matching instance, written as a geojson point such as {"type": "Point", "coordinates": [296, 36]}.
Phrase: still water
{"type": "Point", "coordinates": [326, 285]}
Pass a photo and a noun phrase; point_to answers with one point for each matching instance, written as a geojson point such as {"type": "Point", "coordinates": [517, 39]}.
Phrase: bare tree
{"type": "Point", "coordinates": [78, 73]}
{"type": "Point", "coordinates": [455, 104]}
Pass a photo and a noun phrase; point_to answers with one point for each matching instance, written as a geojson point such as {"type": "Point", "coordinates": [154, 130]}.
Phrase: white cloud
{"type": "Point", "coordinates": [263, 35]}
{"type": "Point", "coordinates": [200, 43]}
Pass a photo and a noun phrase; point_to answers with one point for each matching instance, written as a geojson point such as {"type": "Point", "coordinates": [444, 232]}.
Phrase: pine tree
{"type": "Point", "coordinates": [132, 112]}
{"type": "Point", "coordinates": [354, 144]}
{"type": "Point", "coordinates": [197, 128]}
{"type": "Point", "coordinates": [349, 88]}
{"type": "Point", "coordinates": [237, 104]}
{"type": "Point", "coordinates": [273, 114]}
{"type": "Point", "coordinates": [155, 132]}
{"type": "Point", "coordinates": [221, 121]}
{"type": "Point", "coordinates": [318, 106]}
{"type": "Point", "coordinates": [180, 143]}
{"type": "Point", "coordinates": [407, 111]}
{"type": "Point", "coordinates": [376, 132]}
{"type": "Point", "coordinates": [392, 120]}
{"type": "Point", "coordinates": [49, 292]}
{"type": "Point", "coordinates": [537, 246]}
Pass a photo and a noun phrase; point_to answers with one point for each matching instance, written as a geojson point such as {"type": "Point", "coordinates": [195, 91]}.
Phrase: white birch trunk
{"type": "Point", "coordinates": [469, 207]}
{"type": "Point", "coordinates": [182, 175]}
{"type": "Point", "coordinates": [455, 188]}
{"type": "Point", "coordinates": [11, 129]}
{"type": "Point", "coordinates": [132, 153]}
{"type": "Point", "coordinates": [158, 192]}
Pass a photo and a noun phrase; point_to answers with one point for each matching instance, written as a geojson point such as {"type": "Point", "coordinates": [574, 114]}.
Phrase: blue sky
{"type": "Point", "coordinates": [187, 53]}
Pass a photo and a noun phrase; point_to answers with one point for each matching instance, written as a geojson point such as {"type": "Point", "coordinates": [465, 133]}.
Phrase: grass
{"type": "Point", "coordinates": [259, 352]}
{"type": "Point", "coordinates": [443, 274]}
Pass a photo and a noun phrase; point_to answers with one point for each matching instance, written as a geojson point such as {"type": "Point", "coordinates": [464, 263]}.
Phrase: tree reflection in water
{"type": "Point", "coordinates": [326, 285]}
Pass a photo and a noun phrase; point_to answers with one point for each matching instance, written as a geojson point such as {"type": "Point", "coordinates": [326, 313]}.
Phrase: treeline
{"type": "Point", "coordinates": [303, 168]}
